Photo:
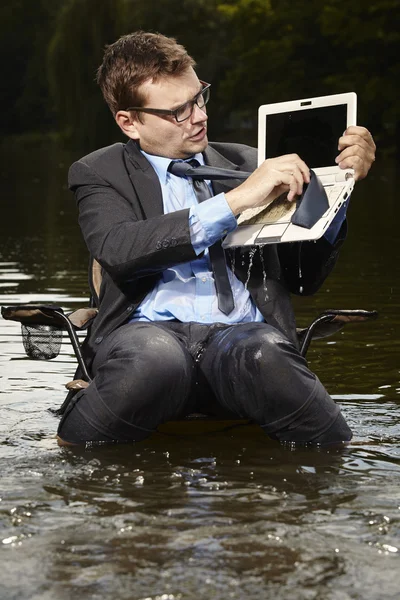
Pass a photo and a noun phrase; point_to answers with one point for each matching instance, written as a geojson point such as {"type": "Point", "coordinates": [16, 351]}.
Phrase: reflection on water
{"type": "Point", "coordinates": [185, 515]}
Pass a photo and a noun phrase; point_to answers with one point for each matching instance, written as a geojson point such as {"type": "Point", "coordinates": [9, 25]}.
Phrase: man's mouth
{"type": "Point", "coordinates": [199, 135]}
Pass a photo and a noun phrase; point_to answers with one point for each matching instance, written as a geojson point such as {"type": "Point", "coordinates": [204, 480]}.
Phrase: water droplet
{"type": "Point", "coordinates": [233, 265]}
{"type": "Point", "coordinates": [261, 249]}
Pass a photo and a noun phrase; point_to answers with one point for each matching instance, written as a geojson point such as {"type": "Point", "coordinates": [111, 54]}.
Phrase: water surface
{"type": "Point", "coordinates": [187, 514]}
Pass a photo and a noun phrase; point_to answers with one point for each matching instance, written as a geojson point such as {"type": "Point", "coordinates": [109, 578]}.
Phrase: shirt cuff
{"type": "Point", "coordinates": [331, 233]}
{"type": "Point", "coordinates": [209, 221]}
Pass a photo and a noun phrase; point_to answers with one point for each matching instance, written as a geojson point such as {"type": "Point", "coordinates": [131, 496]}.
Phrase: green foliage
{"type": "Point", "coordinates": [25, 31]}
{"type": "Point", "coordinates": [76, 49]}
{"type": "Point", "coordinates": [286, 49]}
{"type": "Point", "coordinates": [83, 28]}
{"type": "Point", "coordinates": [366, 41]}
{"type": "Point", "coordinates": [252, 51]}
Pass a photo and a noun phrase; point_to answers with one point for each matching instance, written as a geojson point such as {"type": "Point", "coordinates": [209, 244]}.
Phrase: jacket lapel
{"type": "Point", "coordinates": [144, 180]}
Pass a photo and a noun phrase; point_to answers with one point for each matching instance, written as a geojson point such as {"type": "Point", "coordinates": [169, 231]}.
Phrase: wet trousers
{"type": "Point", "coordinates": [148, 373]}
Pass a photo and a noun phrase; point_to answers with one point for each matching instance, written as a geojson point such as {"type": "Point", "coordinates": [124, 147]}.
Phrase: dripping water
{"type": "Point", "coordinates": [264, 271]}
{"type": "Point", "coordinates": [300, 270]}
{"type": "Point", "coordinates": [251, 259]}
{"type": "Point", "coordinates": [233, 256]}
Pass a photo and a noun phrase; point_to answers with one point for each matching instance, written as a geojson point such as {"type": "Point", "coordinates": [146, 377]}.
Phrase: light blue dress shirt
{"type": "Point", "coordinates": [186, 292]}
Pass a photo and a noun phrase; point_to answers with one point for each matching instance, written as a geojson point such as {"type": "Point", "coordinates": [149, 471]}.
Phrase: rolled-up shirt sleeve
{"type": "Point", "coordinates": [210, 221]}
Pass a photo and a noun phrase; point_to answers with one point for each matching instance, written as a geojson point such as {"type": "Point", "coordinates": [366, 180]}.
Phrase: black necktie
{"type": "Point", "coordinates": [217, 256]}
{"type": "Point", "coordinates": [195, 170]}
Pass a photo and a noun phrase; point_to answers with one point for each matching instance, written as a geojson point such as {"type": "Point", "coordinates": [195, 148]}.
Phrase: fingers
{"type": "Point", "coordinates": [360, 164]}
{"type": "Point", "coordinates": [362, 132]}
{"type": "Point", "coordinates": [293, 163]}
{"type": "Point", "coordinates": [291, 171]}
{"type": "Point", "coordinates": [285, 181]}
{"type": "Point", "coordinates": [356, 163]}
{"type": "Point", "coordinates": [291, 175]}
{"type": "Point", "coordinates": [357, 151]}
{"type": "Point", "coordinates": [272, 178]}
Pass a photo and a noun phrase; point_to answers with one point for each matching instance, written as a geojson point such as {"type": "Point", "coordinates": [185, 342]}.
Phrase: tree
{"type": "Point", "coordinates": [24, 94]}
{"type": "Point", "coordinates": [283, 50]}
{"type": "Point", "coordinates": [77, 45]}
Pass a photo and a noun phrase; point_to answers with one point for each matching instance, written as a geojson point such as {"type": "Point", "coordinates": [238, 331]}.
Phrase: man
{"type": "Point", "coordinates": [177, 330]}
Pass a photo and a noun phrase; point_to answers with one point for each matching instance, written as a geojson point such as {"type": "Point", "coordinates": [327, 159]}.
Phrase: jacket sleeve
{"type": "Point", "coordinates": [125, 244]}
{"type": "Point", "coordinates": [306, 265]}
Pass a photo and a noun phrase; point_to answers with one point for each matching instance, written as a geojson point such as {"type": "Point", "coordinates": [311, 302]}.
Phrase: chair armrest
{"type": "Point", "coordinates": [39, 323]}
{"type": "Point", "coordinates": [43, 314]}
{"type": "Point", "coordinates": [329, 322]}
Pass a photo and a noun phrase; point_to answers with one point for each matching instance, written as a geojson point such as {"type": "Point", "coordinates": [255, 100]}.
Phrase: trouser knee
{"type": "Point", "coordinates": [259, 374]}
{"type": "Point", "coordinates": [255, 364]}
{"type": "Point", "coordinates": [143, 377]}
{"type": "Point", "coordinates": [147, 367]}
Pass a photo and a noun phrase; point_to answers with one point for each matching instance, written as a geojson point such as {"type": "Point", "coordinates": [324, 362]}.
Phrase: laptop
{"type": "Point", "coordinates": [310, 128]}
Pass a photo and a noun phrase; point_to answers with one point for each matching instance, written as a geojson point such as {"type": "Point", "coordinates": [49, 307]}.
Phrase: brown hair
{"type": "Point", "coordinates": [134, 59]}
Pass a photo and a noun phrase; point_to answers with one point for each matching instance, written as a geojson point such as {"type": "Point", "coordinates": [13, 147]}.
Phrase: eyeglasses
{"type": "Point", "coordinates": [184, 111]}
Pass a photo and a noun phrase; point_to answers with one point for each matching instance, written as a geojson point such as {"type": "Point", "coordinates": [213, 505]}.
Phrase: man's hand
{"type": "Point", "coordinates": [357, 151]}
{"type": "Point", "coordinates": [272, 178]}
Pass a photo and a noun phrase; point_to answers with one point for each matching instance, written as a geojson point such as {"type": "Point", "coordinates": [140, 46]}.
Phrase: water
{"type": "Point", "coordinates": [190, 514]}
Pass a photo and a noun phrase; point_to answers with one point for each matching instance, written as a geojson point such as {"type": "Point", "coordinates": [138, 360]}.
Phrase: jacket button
{"type": "Point", "coordinates": [158, 246]}
{"type": "Point", "coordinates": [174, 241]}
{"type": "Point", "coordinates": [165, 244]}
{"type": "Point", "coordinates": [98, 340]}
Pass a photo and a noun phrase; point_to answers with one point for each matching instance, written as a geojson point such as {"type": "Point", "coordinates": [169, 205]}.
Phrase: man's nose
{"type": "Point", "coordinates": [199, 114]}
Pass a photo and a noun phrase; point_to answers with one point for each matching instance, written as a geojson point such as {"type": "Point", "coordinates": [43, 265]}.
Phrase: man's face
{"type": "Point", "coordinates": [162, 135]}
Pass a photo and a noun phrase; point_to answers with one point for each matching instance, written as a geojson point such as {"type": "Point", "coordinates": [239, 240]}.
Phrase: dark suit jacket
{"type": "Point", "coordinates": [121, 216]}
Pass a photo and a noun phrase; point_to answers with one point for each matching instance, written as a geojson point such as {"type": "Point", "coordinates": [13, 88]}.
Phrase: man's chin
{"type": "Point", "coordinates": [190, 148]}
{"type": "Point", "coordinates": [196, 146]}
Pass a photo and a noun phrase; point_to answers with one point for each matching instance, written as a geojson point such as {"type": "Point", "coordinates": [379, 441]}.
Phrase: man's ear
{"type": "Point", "coordinates": [127, 124]}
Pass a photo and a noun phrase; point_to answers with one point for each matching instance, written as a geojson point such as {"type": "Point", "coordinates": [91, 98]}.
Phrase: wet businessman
{"type": "Point", "coordinates": [181, 326]}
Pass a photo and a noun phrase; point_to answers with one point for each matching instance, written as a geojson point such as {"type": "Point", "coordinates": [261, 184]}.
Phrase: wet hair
{"type": "Point", "coordinates": [134, 59]}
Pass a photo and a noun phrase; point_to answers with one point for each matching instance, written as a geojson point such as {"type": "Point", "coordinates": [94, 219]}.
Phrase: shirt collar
{"type": "Point", "coordinates": [160, 164]}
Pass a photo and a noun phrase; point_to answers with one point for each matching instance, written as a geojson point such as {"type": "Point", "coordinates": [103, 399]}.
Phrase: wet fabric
{"type": "Point", "coordinates": [185, 291]}
{"type": "Point", "coordinates": [150, 373]}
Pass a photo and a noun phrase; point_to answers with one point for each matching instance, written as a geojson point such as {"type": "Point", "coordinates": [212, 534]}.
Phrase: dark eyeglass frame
{"type": "Point", "coordinates": [174, 112]}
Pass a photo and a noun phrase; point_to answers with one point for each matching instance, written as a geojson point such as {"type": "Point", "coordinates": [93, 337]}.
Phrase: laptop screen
{"type": "Point", "coordinates": [312, 133]}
